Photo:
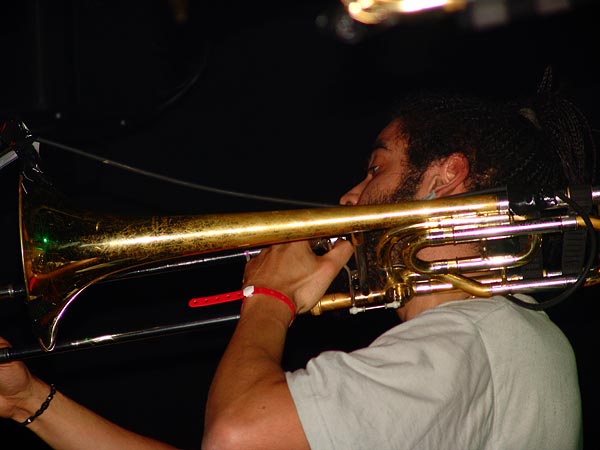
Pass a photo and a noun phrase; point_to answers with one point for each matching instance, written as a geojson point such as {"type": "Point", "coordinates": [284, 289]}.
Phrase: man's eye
{"type": "Point", "coordinates": [371, 170]}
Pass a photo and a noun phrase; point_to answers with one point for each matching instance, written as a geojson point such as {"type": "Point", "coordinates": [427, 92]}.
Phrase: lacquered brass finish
{"type": "Point", "coordinates": [65, 250]}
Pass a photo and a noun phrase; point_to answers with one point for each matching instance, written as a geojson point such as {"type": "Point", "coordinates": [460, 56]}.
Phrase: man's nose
{"type": "Point", "coordinates": [351, 197]}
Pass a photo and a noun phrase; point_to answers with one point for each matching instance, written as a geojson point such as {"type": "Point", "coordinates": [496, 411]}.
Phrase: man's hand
{"type": "Point", "coordinates": [295, 270]}
{"type": "Point", "coordinates": [15, 382]}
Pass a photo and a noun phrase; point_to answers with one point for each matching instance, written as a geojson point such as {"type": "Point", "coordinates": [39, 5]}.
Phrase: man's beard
{"type": "Point", "coordinates": [405, 191]}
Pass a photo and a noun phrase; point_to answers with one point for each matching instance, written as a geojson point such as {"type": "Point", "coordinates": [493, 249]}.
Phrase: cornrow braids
{"type": "Point", "coordinates": [543, 141]}
{"type": "Point", "coordinates": [571, 136]}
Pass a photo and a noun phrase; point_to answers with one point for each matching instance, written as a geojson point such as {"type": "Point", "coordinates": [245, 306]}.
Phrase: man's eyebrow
{"type": "Point", "coordinates": [379, 144]}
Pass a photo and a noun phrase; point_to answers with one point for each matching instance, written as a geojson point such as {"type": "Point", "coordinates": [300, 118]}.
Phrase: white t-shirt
{"type": "Point", "coordinates": [474, 374]}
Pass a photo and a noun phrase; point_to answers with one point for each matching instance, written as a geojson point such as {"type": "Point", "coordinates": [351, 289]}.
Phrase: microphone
{"type": "Point", "coordinates": [15, 140]}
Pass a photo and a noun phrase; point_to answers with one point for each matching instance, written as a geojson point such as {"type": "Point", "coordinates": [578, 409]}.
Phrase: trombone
{"type": "Point", "coordinates": [66, 250]}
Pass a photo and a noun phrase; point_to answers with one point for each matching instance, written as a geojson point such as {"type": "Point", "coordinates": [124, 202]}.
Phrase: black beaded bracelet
{"type": "Point", "coordinates": [42, 408]}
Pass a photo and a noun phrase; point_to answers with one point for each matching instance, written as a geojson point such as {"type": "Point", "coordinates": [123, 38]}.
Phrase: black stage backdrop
{"type": "Point", "coordinates": [279, 100]}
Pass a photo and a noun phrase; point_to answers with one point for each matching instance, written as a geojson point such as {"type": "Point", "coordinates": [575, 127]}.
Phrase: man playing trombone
{"type": "Point", "coordinates": [456, 372]}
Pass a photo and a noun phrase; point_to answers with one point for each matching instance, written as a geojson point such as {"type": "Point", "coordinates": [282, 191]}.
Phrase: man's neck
{"type": "Point", "coordinates": [418, 304]}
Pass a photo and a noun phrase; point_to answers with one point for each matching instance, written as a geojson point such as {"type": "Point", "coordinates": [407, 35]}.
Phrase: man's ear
{"type": "Point", "coordinates": [452, 175]}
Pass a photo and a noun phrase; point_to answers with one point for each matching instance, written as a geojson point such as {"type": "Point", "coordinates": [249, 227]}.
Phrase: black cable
{"type": "Point", "coordinates": [180, 182]}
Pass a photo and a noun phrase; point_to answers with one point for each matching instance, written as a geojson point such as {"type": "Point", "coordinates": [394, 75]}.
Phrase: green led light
{"type": "Point", "coordinates": [42, 242]}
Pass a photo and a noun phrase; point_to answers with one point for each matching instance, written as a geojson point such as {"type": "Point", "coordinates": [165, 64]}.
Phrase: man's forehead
{"type": "Point", "coordinates": [391, 138]}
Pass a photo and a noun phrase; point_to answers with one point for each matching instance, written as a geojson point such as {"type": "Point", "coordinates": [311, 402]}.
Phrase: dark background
{"type": "Point", "coordinates": [280, 100]}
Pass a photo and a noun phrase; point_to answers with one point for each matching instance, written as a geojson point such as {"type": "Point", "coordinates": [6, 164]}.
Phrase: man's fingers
{"type": "Point", "coordinates": [341, 252]}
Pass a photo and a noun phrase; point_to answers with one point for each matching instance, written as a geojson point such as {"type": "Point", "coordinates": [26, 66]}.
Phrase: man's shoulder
{"type": "Point", "coordinates": [484, 317]}
{"type": "Point", "coordinates": [482, 309]}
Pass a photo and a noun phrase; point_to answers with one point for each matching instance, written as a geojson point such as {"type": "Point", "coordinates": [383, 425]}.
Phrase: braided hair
{"type": "Point", "coordinates": [541, 141]}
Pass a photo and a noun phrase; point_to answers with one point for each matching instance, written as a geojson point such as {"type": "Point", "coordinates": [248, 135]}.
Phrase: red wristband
{"type": "Point", "coordinates": [248, 291]}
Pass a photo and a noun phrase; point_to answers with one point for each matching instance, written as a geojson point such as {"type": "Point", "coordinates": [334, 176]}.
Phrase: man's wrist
{"type": "Point", "coordinates": [30, 404]}
{"type": "Point", "coordinates": [250, 291]}
{"type": "Point", "coordinates": [267, 306]}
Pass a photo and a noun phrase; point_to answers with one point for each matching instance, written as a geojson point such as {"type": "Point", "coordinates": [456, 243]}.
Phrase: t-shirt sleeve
{"type": "Point", "coordinates": [408, 389]}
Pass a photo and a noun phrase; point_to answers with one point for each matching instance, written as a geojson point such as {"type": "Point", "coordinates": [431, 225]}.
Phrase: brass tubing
{"type": "Point", "coordinates": [64, 250]}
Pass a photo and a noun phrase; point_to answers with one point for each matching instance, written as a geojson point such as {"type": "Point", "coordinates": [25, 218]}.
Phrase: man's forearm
{"type": "Point", "coordinates": [65, 424]}
{"type": "Point", "coordinates": [249, 398]}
